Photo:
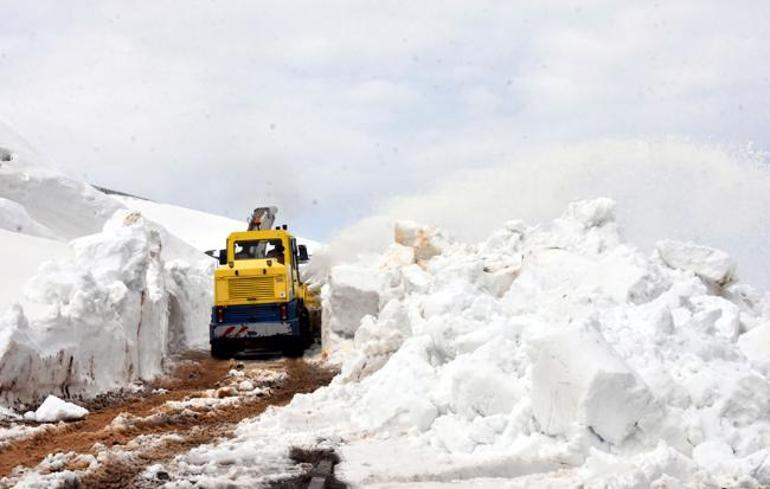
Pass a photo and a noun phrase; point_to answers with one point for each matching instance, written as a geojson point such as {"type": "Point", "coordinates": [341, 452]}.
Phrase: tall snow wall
{"type": "Point", "coordinates": [110, 308]}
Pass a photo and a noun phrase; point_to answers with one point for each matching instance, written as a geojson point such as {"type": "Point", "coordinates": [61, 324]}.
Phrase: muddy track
{"type": "Point", "coordinates": [190, 428]}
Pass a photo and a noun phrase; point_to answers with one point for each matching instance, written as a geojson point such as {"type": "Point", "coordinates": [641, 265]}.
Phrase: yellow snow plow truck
{"type": "Point", "coordinates": [260, 300]}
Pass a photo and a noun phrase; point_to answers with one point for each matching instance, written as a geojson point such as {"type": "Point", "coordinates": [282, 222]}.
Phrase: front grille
{"type": "Point", "coordinates": [251, 288]}
{"type": "Point", "coordinates": [251, 314]}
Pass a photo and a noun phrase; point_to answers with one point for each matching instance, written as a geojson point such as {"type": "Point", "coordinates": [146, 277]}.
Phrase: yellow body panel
{"type": "Point", "coordinates": [257, 280]}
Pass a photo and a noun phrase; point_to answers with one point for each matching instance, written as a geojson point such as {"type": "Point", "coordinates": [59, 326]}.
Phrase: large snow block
{"type": "Point", "coordinates": [708, 263]}
{"type": "Point", "coordinates": [577, 378]}
{"type": "Point", "coordinates": [426, 241]}
{"type": "Point", "coordinates": [755, 345]}
{"type": "Point", "coordinates": [591, 213]}
{"type": "Point", "coordinates": [352, 294]}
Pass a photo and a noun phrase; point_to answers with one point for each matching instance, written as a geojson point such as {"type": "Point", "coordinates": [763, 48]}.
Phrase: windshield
{"type": "Point", "coordinates": [259, 248]}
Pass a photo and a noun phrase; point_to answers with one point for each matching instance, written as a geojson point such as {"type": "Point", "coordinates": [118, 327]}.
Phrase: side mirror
{"type": "Point", "coordinates": [223, 257]}
{"type": "Point", "coordinates": [303, 256]}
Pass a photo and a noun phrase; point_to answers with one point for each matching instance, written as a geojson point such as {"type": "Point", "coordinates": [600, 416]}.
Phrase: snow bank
{"type": "Point", "coordinates": [93, 296]}
{"type": "Point", "coordinates": [54, 410]}
{"type": "Point", "coordinates": [103, 317]}
{"type": "Point", "coordinates": [542, 355]}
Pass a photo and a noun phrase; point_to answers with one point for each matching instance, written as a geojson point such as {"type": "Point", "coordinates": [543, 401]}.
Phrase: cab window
{"type": "Point", "coordinates": [254, 249]}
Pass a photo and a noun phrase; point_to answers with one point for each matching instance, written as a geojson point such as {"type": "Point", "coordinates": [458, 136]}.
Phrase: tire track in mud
{"type": "Point", "coordinates": [123, 457]}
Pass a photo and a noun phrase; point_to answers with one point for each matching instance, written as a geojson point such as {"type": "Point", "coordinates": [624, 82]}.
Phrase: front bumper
{"type": "Point", "coordinates": [253, 330]}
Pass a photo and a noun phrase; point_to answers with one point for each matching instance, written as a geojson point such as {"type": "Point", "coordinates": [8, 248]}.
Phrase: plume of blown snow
{"type": "Point", "coordinates": [665, 189]}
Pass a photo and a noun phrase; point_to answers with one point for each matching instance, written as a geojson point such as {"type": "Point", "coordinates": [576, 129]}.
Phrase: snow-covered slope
{"type": "Point", "coordinates": [21, 255]}
{"type": "Point", "coordinates": [540, 357]}
{"type": "Point", "coordinates": [94, 296]}
{"type": "Point", "coordinates": [202, 230]}
{"type": "Point", "coordinates": [43, 201]}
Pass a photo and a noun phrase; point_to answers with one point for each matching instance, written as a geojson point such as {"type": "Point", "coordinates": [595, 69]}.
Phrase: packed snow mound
{"type": "Point", "coordinates": [54, 409]}
{"type": "Point", "coordinates": [542, 355]}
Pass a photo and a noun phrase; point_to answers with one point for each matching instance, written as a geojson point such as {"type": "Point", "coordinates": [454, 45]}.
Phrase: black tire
{"type": "Point", "coordinates": [295, 350]}
{"type": "Point", "coordinates": [220, 351]}
{"type": "Point", "coordinates": [306, 336]}
{"type": "Point", "coordinates": [298, 344]}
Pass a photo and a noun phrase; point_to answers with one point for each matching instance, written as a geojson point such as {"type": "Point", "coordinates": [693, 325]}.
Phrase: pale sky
{"type": "Point", "coordinates": [327, 109]}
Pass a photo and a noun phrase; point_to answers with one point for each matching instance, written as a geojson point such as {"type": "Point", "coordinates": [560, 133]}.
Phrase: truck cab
{"type": "Point", "coordinates": [260, 300]}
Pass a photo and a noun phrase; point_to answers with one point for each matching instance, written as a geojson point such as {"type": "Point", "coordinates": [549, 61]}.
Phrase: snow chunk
{"type": "Point", "coordinates": [588, 225]}
{"type": "Point", "coordinates": [711, 264]}
{"type": "Point", "coordinates": [578, 378]}
{"type": "Point", "coordinates": [755, 344]}
{"type": "Point", "coordinates": [425, 240]}
{"type": "Point", "coordinates": [712, 454]}
{"type": "Point", "coordinates": [591, 213]}
{"type": "Point", "coordinates": [54, 409]}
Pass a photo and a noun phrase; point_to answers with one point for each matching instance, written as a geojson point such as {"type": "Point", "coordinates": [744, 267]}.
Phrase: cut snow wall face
{"type": "Point", "coordinates": [190, 285]}
{"type": "Point", "coordinates": [106, 316]}
{"type": "Point", "coordinates": [353, 294]}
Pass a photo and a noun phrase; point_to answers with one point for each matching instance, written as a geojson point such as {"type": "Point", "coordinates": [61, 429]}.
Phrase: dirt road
{"type": "Point", "coordinates": [201, 401]}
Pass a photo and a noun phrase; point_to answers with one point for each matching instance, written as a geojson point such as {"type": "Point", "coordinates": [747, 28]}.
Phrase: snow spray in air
{"type": "Point", "coordinates": [664, 189]}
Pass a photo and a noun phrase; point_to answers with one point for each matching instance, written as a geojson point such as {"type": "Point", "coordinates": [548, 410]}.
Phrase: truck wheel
{"type": "Point", "coordinates": [298, 344]}
{"type": "Point", "coordinates": [218, 350]}
{"type": "Point", "coordinates": [295, 350]}
{"type": "Point", "coordinates": [304, 327]}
